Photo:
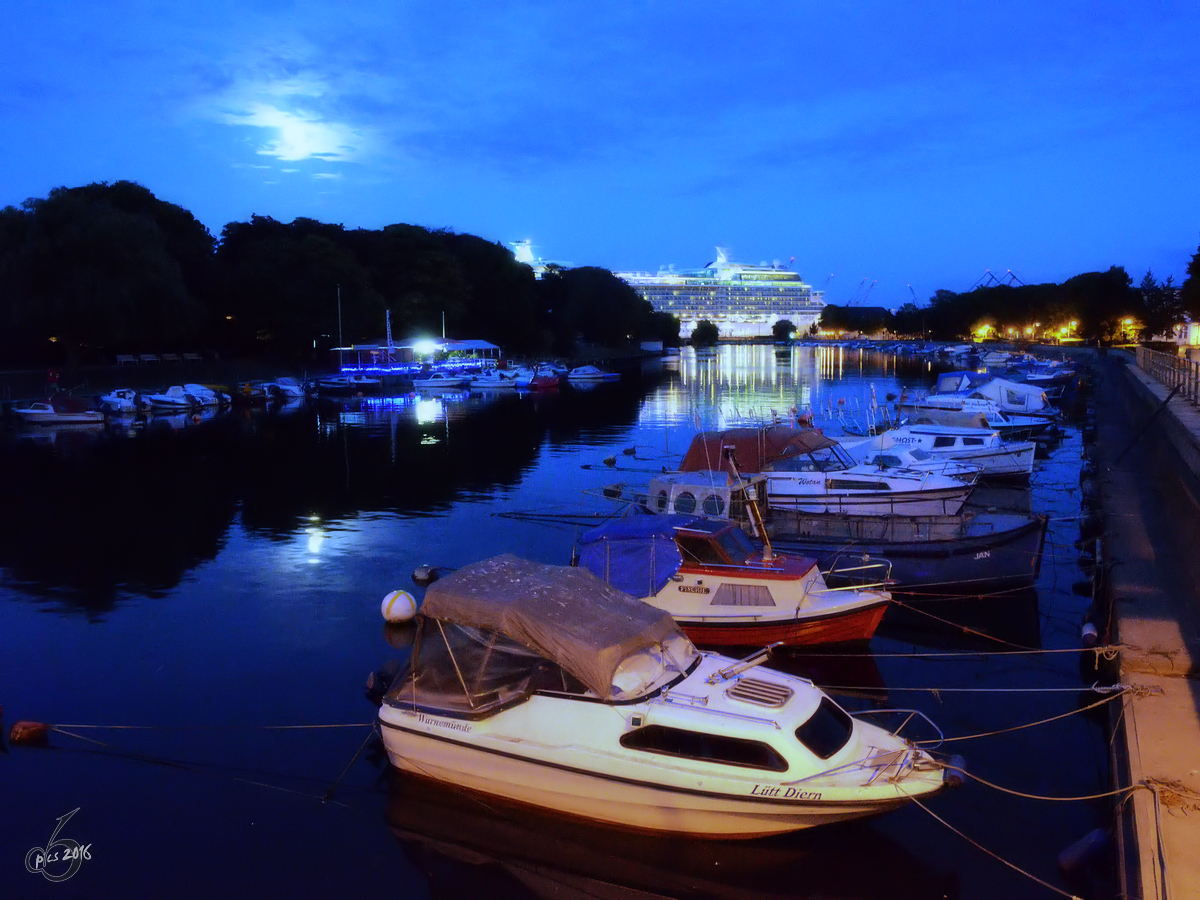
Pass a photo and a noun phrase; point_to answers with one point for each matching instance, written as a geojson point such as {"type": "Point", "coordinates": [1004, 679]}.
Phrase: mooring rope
{"type": "Point", "coordinates": [189, 766]}
{"type": "Point", "coordinates": [990, 853]}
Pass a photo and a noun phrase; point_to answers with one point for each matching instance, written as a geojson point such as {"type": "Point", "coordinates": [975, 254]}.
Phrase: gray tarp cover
{"type": "Point", "coordinates": [566, 615]}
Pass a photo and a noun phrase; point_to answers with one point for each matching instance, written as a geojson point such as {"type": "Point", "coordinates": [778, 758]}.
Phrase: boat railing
{"type": "Point", "coordinates": [907, 717]}
{"type": "Point", "coordinates": [855, 576]}
{"type": "Point", "coordinates": [674, 698]}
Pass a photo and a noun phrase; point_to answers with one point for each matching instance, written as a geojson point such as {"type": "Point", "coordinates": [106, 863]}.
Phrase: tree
{"type": "Point", "coordinates": [1190, 289]}
{"type": "Point", "coordinates": [282, 288]}
{"type": "Point", "coordinates": [1104, 300]}
{"type": "Point", "coordinates": [783, 330]}
{"type": "Point", "coordinates": [1162, 307]}
{"type": "Point", "coordinates": [705, 334]}
{"type": "Point", "coordinates": [863, 319]}
{"type": "Point", "coordinates": [101, 266]}
{"type": "Point", "coordinates": [594, 305]}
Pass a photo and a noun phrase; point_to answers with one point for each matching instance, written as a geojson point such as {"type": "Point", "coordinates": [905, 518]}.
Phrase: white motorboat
{"type": "Point", "coordinates": [542, 377]}
{"type": "Point", "coordinates": [207, 396]}
{"type": "Point", "coordinates": [985, 414]}
{"type": "Point", "coordinates": [61, 409]}
{"type": "Point", "coordinates": [722, 590]}
{"type": "Point", "coordinates": [974, 392]}
{"type": "Point", "coordinates": [441, 381]}
{"type": "Point", "coordinates": [591, 375]}
{"type": "Point", "coordinates": [980, 447]}
{"type": "Point", "coordinates": [347, 384]}
{"type": "Point", "coordinates": [543, 685]}
{"type": "Point", "coordinates": [123, 402]}
{"type": "Point", "coordinates": [285, 388]}
{"type": "Point", "coordinates": [884, 453]}
{"type": "Point", "coordinates": [807, 471]}
{"type": "Point", "coordinates": [173, 399]}
{"type": "Point", "coordinates": [495, 379]}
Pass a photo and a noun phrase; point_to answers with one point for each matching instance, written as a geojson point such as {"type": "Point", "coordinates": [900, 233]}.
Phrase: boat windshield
{"type": "Point", "coordinates": [468, 671]}
{"type": "Point", "coordinates": [736, 543]}
{"type": "Point", "coordinates": [471, 671]}
{"type": "Point", "coordinates": [827, 459]}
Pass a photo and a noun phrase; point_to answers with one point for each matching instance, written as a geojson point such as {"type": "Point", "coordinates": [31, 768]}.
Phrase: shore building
{"type": "Point", "coordinates": [743, 301]}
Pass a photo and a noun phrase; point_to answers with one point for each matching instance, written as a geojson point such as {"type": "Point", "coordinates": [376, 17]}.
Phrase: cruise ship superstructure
{"type": "Point", "coordinates": [741, 300]}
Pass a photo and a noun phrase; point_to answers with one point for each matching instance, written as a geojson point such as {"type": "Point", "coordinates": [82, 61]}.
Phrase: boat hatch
{"type": "Point", "coordinates": [759, 692]}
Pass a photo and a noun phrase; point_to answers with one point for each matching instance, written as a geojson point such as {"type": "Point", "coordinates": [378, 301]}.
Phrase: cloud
{"type": "Point", "coordinates": [300, 135]}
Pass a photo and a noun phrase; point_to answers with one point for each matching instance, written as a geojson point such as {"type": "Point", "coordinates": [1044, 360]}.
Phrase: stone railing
{"type": "Point", "coordinates": [1172, 370]}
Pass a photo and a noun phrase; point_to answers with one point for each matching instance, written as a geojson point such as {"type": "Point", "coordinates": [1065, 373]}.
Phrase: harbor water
{"type": "Point", "coordinates": [214, 588]}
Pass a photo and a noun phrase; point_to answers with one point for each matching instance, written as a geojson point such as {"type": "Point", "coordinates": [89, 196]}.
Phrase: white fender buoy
{"type": "Point", "coordinates": [399, 606]}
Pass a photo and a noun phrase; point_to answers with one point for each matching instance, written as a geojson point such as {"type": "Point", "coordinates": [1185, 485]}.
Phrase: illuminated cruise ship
{"type": "Point", "coordinates": [741, 300]}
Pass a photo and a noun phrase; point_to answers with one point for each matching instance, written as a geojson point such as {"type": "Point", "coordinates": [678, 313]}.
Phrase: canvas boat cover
{"type": "Point", "coordinates": [564, 614]}
{"type": "Point", "coordinates": [635, 554]}
{"type": "Point", "coordinates": [754, 449]}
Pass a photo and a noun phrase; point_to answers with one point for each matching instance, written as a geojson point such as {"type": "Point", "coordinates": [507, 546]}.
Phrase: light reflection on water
{"type": "Point", "coordinates": [233, 574]}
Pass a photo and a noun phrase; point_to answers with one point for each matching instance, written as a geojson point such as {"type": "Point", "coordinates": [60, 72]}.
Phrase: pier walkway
{"type": "Point", "coordinates": [1148, 476]}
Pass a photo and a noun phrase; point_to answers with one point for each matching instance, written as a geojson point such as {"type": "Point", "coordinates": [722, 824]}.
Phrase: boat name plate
{"type": "Point", "coordinates": [783, 793]}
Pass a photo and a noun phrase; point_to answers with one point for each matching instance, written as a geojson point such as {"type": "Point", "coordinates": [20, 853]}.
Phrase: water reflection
{"type": "Point", "coordinates": [132, 509]}
{"type": "Point", "coordinates": [474, 846]}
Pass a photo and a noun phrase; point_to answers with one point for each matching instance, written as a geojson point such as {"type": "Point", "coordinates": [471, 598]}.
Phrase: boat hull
{"type": "Point", "coordinates": [837, 628]}
{"type": "Point", "coordinates": [982, 554]}
{"type": "Point", "coordinates": [614, 800]}
{"type": "Point", "coordinates": [939, 502]}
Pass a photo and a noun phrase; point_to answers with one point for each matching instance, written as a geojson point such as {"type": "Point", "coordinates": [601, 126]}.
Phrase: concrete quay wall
{"type": "Point", "coordinates": [1148, 473]}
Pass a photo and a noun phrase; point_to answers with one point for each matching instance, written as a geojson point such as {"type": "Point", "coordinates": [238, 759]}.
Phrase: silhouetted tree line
{"type": "Point", "coordinates": [1099, 303]}
{"type": "Point", "coordinates": [90, 272]}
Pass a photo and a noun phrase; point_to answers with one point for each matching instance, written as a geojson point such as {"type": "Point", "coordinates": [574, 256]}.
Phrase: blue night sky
{"type": "Point", "coordinates": [872, 141]}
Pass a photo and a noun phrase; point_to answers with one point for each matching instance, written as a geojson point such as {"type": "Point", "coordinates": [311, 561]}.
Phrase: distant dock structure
{"type": "Point", "coordinates": [743, 301]}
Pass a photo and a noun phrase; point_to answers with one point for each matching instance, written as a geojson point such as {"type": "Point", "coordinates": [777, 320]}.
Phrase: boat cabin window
{"type": "Point", "coordinates": [828, 731]}
{"type": "Point", "coordinates": [920, 455]}
{"type": "Point", "coordinates": [973, 442]}
{"type": "Point", "coordinates": [685, 502]}
{"type": "Point", "coordinates": [714, 505]}
{"type": "Point", "coordinates": [943, 442]}
{"type": "Point", "coordinates": [714, 748]}
{"type": "Point", "coordinates": [849, 484]}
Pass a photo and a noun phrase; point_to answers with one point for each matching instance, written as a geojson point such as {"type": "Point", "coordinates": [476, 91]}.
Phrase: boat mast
{"type": "Point", "coordinates": [750, 492]}
{"type": "Point", "coordinates": [339, 296]}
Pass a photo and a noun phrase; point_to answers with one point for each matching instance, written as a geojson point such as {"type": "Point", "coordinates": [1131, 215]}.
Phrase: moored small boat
{"type": "Point", "coordinates": [806, 471]}
{"type": "Point", "coordinates": [721, 589]}
{"type": "Point", "coordinates": [441, 381]}
{"type": "Point", "coordinates": [586, 374]}
{"type": "Point", "coordinates": [60, 409]}
{"type": "Point", "coordinates": [543, 685]}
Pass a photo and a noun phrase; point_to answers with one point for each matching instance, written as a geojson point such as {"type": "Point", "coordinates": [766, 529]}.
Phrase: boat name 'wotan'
{"type": "Point", "coordinates": [767, 790]}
